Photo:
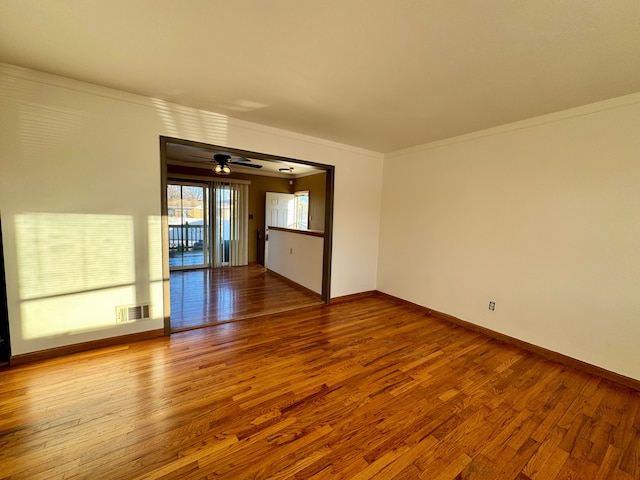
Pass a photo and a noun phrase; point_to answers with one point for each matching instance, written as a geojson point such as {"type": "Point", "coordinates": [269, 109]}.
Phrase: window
{"type": "Point", "coordinates": [301, 206]}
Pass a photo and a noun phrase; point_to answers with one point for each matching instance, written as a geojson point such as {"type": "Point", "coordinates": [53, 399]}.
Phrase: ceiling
{"type": "Point", "coordinates": [377, 74]}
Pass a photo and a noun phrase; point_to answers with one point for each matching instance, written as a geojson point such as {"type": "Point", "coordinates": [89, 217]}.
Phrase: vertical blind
{"type": "Point", "coordinates": [230, 224]}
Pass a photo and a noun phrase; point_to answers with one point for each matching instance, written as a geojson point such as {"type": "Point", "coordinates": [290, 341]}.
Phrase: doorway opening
{"type": "Point", "coordinates": [212, 240]}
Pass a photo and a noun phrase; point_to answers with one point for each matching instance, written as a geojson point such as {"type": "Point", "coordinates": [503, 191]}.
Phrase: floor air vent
{"type": "Point", "coordinates": [131, 313]}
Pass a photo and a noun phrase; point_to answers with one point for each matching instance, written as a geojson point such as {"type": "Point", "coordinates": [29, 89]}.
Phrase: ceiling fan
{"type": "Point", "coordinates": [223, 160]}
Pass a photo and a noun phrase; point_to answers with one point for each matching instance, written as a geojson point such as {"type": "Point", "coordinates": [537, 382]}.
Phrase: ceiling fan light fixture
{"type": "Point", "coordinates": [222, 169]}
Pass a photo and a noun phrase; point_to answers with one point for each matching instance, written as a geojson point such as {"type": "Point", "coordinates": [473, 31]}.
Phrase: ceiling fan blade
{"type": "Point", "coordinates": [245, 164]}
{"type": "Point", "coordinates": [229, 156]}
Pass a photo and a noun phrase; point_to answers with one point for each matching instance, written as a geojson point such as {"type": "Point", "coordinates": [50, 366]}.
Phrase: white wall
{"type": "Point", "coordinates": [298, 257]}
{"type": "Point", "coordinates": [542, 217]}
{"type": "Point", "coordinates": [77, 158]}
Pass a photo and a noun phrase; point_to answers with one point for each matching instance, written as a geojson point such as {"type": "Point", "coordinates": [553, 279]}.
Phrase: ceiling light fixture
{"type": "Point", "coordinates": [224, 160]}
{"type": "Point", "coordinates": [222, 169]}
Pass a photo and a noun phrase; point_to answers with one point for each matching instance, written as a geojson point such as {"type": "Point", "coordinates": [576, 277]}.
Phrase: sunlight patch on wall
{"type": "Point", "coordinates": [68, 253]}
{"type": "Point", "coordinates": [163, 111]}
{"type": "Point", "coordinates": [72, 268]}
{"type": "Point", "coordinates": [215, 127]}
{"type": "Point", "coordinates": [154, 234]}
{"type": "Point", "coordinates": [190, 123]}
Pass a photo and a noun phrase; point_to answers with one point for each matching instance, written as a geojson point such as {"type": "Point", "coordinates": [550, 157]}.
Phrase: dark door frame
{"type": "Point", "coordinates": [328, 216]}
{"type": "Point", "coordinates": [5, 344]}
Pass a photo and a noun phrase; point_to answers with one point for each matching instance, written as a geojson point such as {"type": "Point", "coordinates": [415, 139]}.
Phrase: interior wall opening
{"type": "Point", "coordinates": [201, 241]}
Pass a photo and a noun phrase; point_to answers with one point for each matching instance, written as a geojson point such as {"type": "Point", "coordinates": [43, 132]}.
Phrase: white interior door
{"type": "Point", "coordinates": [279, 212]}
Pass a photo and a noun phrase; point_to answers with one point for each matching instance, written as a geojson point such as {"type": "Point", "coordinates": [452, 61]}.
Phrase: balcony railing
{"type": "Point", "coordinates": [184, 238]}
{"type": "Point", "coordinates": [186, 246]}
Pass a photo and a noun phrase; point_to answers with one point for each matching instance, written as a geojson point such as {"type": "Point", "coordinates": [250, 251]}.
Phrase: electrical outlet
{"type": "Point", "coordinates": [492, 305]}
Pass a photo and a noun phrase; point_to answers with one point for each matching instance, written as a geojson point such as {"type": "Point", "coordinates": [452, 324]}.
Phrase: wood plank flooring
{"type": "Point", "coordinates": [356, 390]}
{"type": "Point", "coordinates": [214, 295]}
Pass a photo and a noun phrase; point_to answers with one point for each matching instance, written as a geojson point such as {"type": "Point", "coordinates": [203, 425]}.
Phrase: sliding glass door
{"type": "Point", "coordinates": [187, 209]}
{"type": "Point", "coordinates": [208, 224]}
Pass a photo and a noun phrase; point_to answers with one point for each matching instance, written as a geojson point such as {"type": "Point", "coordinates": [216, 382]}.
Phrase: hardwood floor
{"type": "Point", "coordinates": [355, 390]}
{"type": "Point", "coordinates": [210, 296]}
